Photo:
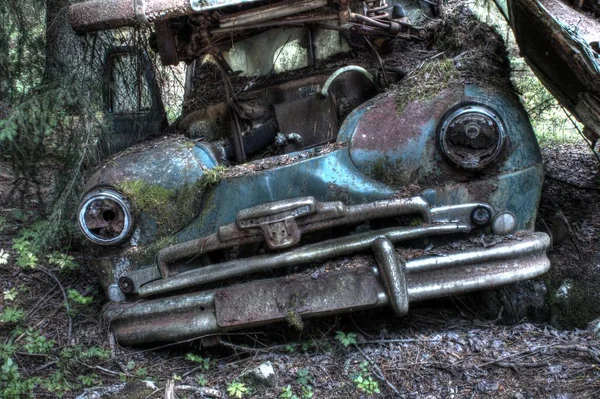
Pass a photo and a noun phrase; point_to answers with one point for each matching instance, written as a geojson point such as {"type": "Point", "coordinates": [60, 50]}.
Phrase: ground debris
{"type": "Point", "coordinates": [264, 374]}
{"type": "Point", "coordinates": [124, 390]}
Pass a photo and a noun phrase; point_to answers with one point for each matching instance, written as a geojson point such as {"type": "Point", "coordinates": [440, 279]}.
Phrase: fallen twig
{"type": "Point", "coordinates": [192, 370]}
{"type": "Point", "coordinates": [396, 341]}
{"type": "Point", "coordinates": [204, 391]}
{"type": "Point", "coordinates": [527, 352]}
{"type": "Point", "coordinates": [514, 366]}
{"type": "Point", "coordinates": [249, 349]}
{"type": "Point", "coordinates": [52, 276]}
{"type": "Point", "coordinates": [43, 367]}
{"type": "Point", "coordinates": [35, 307]}
{"type": "Point", "coordinates": [360, 330]}
{"type": "Point", "coordinates": [106, 371]}
{"type": "Point", "coordinates": [113, 353]}
{"type": "Point", "coordinates": [580, 348]}
{"type": "Point", "coordinates": [170, 390]}
{"type": "Point", "coordinates": [152, 394]}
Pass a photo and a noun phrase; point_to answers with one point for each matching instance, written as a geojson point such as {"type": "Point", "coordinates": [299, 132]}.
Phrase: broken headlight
{"type": "Point", "coordinates": [105, 217]}
{"type": "Point", "coordinates": [472, 137]}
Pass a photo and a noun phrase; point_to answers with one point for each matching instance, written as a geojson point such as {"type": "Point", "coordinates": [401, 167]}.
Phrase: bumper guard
{"type": "Point", "coordinates": [388, 281]}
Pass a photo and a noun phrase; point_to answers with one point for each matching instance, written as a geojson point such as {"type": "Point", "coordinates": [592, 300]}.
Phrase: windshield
{"type": "Point", "coordinates": [280, 50]}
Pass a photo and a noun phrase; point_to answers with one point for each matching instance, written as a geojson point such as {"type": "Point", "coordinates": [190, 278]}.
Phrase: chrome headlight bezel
{"type": "Point", "coordinates": [121, 205]}
{"type": "Point", "coordinates": [478, 114]}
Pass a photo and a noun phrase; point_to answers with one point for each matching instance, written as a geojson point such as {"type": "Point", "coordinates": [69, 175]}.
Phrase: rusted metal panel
{"type": "Point", "coordinates": [97, 15]}
{"type": "Point", "coordinates": [269, 301]}
{"type": "Point", "coordinates": [167, 319]}
{"type": "Point", "coordinates": [313, 116]}
{"type": "Point", "coordinates": [396, 138]}
{"type": "Point", "coordinates": [100, 15]}
{"type": "Point", "coordinates": [166, 43]}
{"type": "Point", "coordinates": [561, 57]}
{"type": "Point", "coordinates": [269, 12]}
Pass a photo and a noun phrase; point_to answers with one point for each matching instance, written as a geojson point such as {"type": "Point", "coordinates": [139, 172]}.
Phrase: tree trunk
{"type": "Point", "coordinates": [64, 49]}
{"type": "Point", "coordinates": [4, 64]}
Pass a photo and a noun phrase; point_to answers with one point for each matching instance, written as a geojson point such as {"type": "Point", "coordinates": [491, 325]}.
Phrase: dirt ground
{"type": "Point", "coordinates": [441, 349]}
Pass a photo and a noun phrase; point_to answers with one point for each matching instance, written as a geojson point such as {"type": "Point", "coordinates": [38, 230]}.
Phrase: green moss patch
{"type": "Point", "coordinates": [468, 51]}
{"type": "Point", "coordinates": [425, 83]}
{"type": "Point", "coordinates": [146, 254]}
{"type": "Point", "coordinates": [171, 209]}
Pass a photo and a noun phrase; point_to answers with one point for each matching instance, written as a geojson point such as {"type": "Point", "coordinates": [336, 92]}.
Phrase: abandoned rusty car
{"type": "Point", "coordinates": [332, 156]}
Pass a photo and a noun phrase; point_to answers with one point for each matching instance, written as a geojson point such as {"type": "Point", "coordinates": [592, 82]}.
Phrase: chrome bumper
{"type": "Point", "coordinates": [386, 281]}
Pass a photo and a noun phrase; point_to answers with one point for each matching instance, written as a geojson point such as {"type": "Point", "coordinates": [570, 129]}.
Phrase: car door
{"type": "Point", "coordinates": [132, 99]}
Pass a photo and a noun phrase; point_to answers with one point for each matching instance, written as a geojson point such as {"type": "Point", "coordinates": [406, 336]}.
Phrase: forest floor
{"type": "Point", "coordinates": [442, 349]}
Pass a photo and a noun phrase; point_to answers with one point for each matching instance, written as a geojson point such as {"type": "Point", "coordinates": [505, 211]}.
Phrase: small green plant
{"type": "Point", "coordinates": [307, 345]}
{"type": "Point", "coordinates": [141, 373]}
{"type": "Point", "coordinates": [36, 342]}
{"type": "Point", "coordinates": [4, 257]}
{"type": "Point", "coordinates": [11, 383]}
{"type": "Point", "coordinates": [7, 350]}
{"type": "Point", "coordinates": [10, 294]}
{"type": "Point", "coordinates": [34, 236]}
{"type": "Point", "coordinates": [58, 384]}
{"type": "Point", "coordinates": [78, 299]}
{"type": "Point", "coordinates": [307, 392]}
{"type": "Point", "coordinates": [287, 393]}
{"type": "Point", "coordinates": [366, 384]}
{"type": "Point", "coordinates": [346, 339]}
{"type": "Point", "coordinates": [19, 215]}
{"type": "Point", "coordinates": [291, 348]}
{"type": "Point", "coordinates": [303, 377]}
{"type": "Point", "coordinates": [237, 389]}
{"type": "Point", "coordinates": [364, 367]}
{"type": "Point", "coordinates": [2, 223]}
{"type": "Point", "coordinates": [27, 259]}
{"type": "Point", "coordinates": [64, 262]}
{"type": "Point", "coordinates": [11, 315]}
{"type": "Point", "coordinates": [96, 352]}
{"type": "Point", "coordinates": [201, 380]}
{"type": "Point", "coordinates": [205, 362]}
{"type": "Point", "coordinates": [21, 245]}
{"type": "Point", "coordinates": [89, 379]}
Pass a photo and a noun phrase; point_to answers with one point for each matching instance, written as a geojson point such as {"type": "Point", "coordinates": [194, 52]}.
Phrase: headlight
{"type": "Point", "coordinates": [472, 137]}
{"type": "Point", "coordinates": [105, 217]}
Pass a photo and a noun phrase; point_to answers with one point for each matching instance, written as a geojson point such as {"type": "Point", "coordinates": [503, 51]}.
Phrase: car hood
{"type": "Point", "coordinates": [561, 47]}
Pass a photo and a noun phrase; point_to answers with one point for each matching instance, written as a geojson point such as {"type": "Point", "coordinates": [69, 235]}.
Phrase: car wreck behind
{"type": "Point", "coordinates": [389, 163]}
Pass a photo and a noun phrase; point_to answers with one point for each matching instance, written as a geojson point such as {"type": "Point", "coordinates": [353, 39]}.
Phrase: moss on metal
{"type": "Point", "coordinates": [213, 176]}
{"type": "Point", "coordinates": [425, 83]}
{"type": "Point", "coordinates": [294, 320]}
{"type": "Point", "coordinates": [146, 254]}
{"type": "Point", "coordinates": [388, 172]}
{"type": "Point", "coordinates": [172, 209]}
{"type": "Point", "coordinates": [468, 51]}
